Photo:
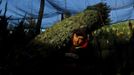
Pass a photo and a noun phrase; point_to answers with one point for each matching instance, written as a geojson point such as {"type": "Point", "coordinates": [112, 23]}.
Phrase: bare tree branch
{"type": "Point", "coordinates": [5, 9]}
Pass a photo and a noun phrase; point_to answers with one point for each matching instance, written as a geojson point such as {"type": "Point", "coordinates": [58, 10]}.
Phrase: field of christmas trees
{"type": "Point", "coordinates": [23, 52]}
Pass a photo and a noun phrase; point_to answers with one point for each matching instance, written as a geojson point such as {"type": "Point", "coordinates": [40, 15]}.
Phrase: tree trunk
{"type": "Point", "coordinates": [41, 11]}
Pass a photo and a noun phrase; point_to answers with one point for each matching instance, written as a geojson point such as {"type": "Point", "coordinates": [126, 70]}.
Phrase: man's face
{"type": "Point", "coordinates": [77, 40]}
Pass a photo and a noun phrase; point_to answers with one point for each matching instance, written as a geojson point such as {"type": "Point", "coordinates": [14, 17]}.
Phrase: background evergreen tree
{"type": "Point", "coordinates": [103, 11]}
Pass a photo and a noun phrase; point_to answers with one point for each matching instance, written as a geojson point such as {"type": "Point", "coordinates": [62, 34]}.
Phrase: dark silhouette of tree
{"type": "Point", "coordinates": [19, 33]}
{"type": "Point", "coordinates": [103, 12]}
{"type": "Point", "coordinates": [65, 15]}
{"type": "Point", "coordinates": [129, 67]}
{"type": "Point", "coordinates": [4, 22]}
{"type": "Point", "coordinates": [30, 27]}
{"type": "Point", "coordinates": [3, 26]}
{"type": "Point", "coordinates": [4, 39]}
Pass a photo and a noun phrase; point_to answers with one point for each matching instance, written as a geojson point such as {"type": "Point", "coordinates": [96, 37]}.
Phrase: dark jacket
{"type": "Point", "coordinates": [81, 60]}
